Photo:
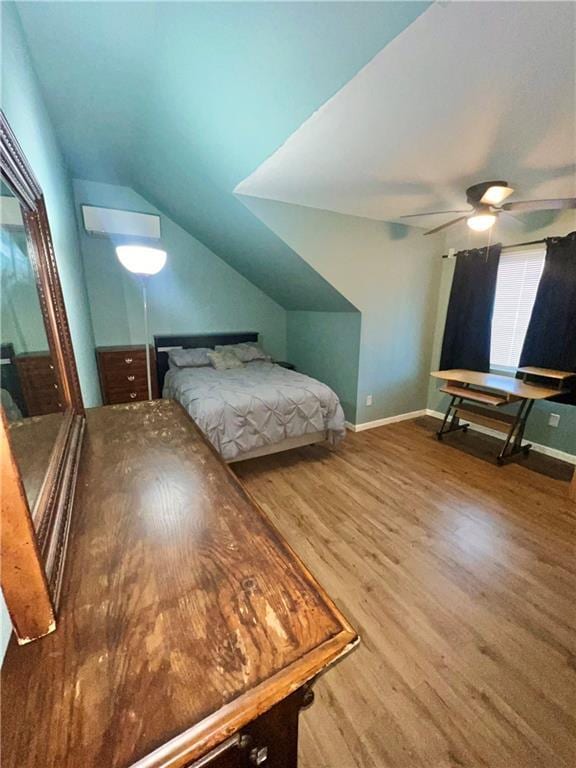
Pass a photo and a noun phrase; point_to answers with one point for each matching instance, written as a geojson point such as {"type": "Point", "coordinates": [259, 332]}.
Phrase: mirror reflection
{"type": "Point", "coordinates": [30, 392]}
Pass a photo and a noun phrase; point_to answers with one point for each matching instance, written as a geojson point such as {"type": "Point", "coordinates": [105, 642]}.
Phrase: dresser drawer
{"type": "Point", "coordinates": [125, 379]}
{"type": "Point", "coordinates": [115, 396]}
{"type": "Point", "coordinates": [39, 383]}
{"type": "Point", "coordinates": [125, 361]}
{"type": "Point", "coordinates": [123, 376]}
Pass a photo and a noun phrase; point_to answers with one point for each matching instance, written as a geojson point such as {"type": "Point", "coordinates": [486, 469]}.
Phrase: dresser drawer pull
{"type": "Point", "coordinates": [234, 741]}
{"type": "Point", "coordinates": [51, 367]}
{"type": "Point", "coordinates": [259, 755]}
{"type": "Point", "coordinates": [55, 386]}
{"type": "Point", "coordinates": [133, 395]}
{"type": "Point", "coordinates": [128, 360]}
{"type": "Point", "coordinates": [131, 378]}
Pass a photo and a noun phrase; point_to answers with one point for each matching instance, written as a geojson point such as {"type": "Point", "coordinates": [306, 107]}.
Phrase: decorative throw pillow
{"type": "Point", "coordinates": [225, 359]}
{"type": "Point", "coordinates": [247, 352]}
{"type": "Point", "coordinates": [189, 358]}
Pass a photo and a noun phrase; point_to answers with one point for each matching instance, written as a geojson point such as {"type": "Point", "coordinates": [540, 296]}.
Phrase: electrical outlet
{"type": "Point", "coordinates": [368, 399]}
{"type": "Point", "coordinates": [553, 419]}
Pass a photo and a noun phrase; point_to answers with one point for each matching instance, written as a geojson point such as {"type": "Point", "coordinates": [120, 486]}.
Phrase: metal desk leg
{"type": "Point", "coordinates": [454, 424]}
{"type": "Point", "coordinates": [513, 442]}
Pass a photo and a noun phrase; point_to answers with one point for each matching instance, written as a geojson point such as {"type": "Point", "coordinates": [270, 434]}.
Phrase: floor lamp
{"type": "Point", "coordinates": [143, 261]}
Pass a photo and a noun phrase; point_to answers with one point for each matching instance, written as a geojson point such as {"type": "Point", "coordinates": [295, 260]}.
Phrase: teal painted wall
{"type": "Point", "coordinates": [181, 101]}
{"type": "Point", "coordinates": [563, 437]}
{"type": "Point", "coordinates": [23, 105]}
{"type": "Point", "coordinates": [21, 322]}
{"type": "Point", "coordinates": [391, 274]}
{"type": "Point", "coordinates": [196, 292]}
{"type": "Point", "coordinates": [326, 345]}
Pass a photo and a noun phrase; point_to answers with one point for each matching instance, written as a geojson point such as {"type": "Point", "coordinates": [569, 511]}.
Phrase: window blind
{"type": "Point", "coordinates": [519, 273]}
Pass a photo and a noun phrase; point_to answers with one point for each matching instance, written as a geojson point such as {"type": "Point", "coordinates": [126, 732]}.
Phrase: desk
{"type": "Point", "coordinates": [479, 397]}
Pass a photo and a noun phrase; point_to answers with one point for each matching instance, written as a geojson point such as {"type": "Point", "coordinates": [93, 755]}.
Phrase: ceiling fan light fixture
{"type": "Point", "coordinates": [481, 222]}
{"type": "Point", "coordinates": [496, 195]}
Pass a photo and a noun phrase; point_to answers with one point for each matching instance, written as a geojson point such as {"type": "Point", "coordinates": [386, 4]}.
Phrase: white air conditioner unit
{"type": "Point", "coordinates": [111, 221]}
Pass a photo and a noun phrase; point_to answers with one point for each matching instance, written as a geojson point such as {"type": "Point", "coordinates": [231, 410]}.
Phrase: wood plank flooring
{"type": "Point", "coordinates": [461, 579]}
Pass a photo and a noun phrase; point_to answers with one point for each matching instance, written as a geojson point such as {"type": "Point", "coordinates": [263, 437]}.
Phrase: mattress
{"type": "Point", "coordinates": [258, 405]}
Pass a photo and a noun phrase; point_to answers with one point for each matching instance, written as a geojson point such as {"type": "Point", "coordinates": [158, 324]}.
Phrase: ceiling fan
{"type": "Point", "coordinates": [486, 200]}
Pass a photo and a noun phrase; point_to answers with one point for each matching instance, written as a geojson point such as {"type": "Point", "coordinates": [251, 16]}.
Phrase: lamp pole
{"type": "Point", "coordinates": [146, 337]}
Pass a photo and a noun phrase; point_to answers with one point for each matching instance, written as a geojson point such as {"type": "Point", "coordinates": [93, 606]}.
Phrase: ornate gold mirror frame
{"type": "Point", "coordinates": [33, 540]}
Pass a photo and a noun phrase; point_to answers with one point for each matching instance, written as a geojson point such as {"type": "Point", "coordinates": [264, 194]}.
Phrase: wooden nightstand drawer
{"type": "Point", "coordinates": [127, 361]}
{"type": "Point", "coordinates": [123, 374]}
{"type": "Point", "coordinates": [115, 396]}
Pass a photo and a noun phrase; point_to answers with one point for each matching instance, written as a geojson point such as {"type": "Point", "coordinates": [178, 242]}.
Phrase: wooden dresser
{"type": "Point", "coordinates": [38, 382]}
{"type": "Point", "coordinates": [189, 630]}
{"type": "Point", "coordinates": [123, 374]}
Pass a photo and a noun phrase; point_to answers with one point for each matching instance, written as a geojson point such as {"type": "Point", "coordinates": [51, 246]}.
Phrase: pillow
{"type": "Point", "coordinates": [189, 358]}
{"type": "Point", "coordinates": [225, 359]}
{"type": "Point", "coordinates": [246, 352]}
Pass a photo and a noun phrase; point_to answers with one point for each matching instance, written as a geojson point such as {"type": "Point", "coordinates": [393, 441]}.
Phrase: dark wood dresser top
{"type": "Point", "coordinates": [184, 613]}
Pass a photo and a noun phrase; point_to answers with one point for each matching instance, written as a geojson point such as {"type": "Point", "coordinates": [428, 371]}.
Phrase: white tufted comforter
{"type": "Point", "coordinates": [254, 406]}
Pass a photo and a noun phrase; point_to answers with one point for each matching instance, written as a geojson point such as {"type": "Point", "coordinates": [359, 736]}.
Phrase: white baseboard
{"type": "Point", "coordinates": [554, 452]}
{"type": "Point", "coordinates": [387, 420]}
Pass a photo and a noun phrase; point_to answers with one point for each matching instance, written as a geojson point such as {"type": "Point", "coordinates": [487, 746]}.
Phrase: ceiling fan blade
{"type": "Point", "coordinates": [541, 205]}
{"type": "Point", "coordinates": [445, 226]}
{"type": "Point", "coordinates": [511, 216]}
{"type": "Point", "coordinates": [431, 213]}
{"type": "Point", "coordinates": [496, 194]}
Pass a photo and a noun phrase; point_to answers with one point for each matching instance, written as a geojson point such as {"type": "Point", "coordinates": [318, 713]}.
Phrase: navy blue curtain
{"type": "Point", "coordinates": [468, 328]}
{"type": "Point", "coordinates": [551, 335]}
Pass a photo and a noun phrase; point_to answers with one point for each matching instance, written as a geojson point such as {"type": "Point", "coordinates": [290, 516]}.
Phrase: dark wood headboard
{"type": "Point", "coordinates": [163, 344]}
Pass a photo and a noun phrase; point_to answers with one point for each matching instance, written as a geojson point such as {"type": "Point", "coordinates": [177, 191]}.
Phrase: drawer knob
{"type": "Point", "coordinates": [133, 395]}
{"type": "Point", "coordinates": [131, 378]}
{"type": "Point", "coordinates": [55, 386]}
{"type": "Point", "coordinates": [51, 367]}
{"type": "Point", "coordinates": [128, 360]}
{"type": "Point", "coordinates": [259, 755]}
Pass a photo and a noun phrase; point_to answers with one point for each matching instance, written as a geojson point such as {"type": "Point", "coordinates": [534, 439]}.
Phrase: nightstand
{"type": "Point", "coordinates": [123, 374]}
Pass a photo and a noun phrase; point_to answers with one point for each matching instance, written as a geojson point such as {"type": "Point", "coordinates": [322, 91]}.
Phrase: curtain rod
{"type": "Point", "coordinates": [504, 247]}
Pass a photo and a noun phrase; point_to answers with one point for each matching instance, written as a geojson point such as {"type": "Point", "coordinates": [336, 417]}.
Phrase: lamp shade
{"type": "Point", "coordinates": [141, 259]}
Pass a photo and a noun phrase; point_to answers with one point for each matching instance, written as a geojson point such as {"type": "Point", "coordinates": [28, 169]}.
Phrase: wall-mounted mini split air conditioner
{"type": "Point", "coordinates": [111, 221]}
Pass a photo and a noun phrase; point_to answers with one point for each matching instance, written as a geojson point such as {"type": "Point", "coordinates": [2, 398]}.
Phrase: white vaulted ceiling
{"type": "Point", "coordinates": [468, 92]}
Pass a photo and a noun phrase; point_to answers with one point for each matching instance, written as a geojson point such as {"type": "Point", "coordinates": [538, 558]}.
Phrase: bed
{"type": "Point", "coordinates": [258, 409]}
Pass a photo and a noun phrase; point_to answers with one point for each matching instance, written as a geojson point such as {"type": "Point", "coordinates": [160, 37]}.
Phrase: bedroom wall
{"type": "Point", "coordinates": [196, 292]}
{"type": "Point", "coordinates": [23, 104]}
{"type": "Point", "coordinates": [326, 345]}
{"type": "Point", "coordinates": [391, 274]}
{"type": "Point", "coordinates": [563, 437]}
{"type": "Point", "coordinates": [24, 107]}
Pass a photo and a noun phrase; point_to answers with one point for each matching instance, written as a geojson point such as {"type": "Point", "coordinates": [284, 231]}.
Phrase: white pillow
{"type": "Point", "coordinates": [246, 352]}
{"type": "Point", "coordinates": [189, 358]}
{"type": "Point", "coordinates": [225, 359]}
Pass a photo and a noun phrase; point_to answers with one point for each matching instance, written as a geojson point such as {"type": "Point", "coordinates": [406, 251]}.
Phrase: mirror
{"type": "Point", "coordinates": [29, 383]}
{"type": "Point", "coordinates": [42, 416]}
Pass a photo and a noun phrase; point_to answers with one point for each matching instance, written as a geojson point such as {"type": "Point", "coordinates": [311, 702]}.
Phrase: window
{"type": "Point", "coordinates": [519, 273]}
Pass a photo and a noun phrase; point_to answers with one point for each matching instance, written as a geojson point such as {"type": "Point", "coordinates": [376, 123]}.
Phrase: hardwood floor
{"type": "Point", "coordinates": [460, 577]}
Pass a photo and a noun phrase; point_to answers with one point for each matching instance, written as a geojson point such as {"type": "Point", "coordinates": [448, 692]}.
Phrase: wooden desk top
{"type": "Point", "coordinates": [547, 373]}
{"type": "Point", "coordinates": [505, 384]}
{"type": "Point", "coordinates": [184, 613]}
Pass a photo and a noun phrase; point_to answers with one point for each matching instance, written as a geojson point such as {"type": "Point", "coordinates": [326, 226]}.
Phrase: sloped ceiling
{"type": "Point", "coordinates": [471, 91]}
{"type": "Point", "coordinates": [181, 101]}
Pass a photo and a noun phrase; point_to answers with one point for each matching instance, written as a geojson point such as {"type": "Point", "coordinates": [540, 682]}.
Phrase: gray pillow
{"type": "Point", "coordinates": [189, 358]}
{"type": "Point", "coordinates": [225, 359]}
{"type": "Point", "coordinates": [247, 352]}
